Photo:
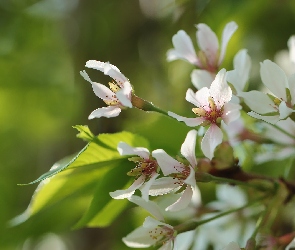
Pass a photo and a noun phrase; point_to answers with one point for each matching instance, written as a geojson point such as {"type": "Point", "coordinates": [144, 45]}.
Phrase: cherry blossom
{"type": "Point", "coordinates": [154, 232]}
{"type": "Point", "coordinates": [145, 171]}
{"type": "Point", "coordinates": [210, 55]}
{"type": "Point", "coordinates": [212, 107]}
{"type": "Point", "coordinates": [279, 105]}
{"type": "Point", "coordinates": [178, 174]}
{"type": "Point", "coordinates": [117, 97]}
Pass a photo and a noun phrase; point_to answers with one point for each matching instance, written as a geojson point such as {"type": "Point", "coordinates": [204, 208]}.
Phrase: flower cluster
{"type": "Point", "coordinates": [220, 104]}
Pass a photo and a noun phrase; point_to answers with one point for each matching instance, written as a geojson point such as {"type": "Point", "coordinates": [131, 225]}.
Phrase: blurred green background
{"type": "Point", "coordinates": [43, 46]}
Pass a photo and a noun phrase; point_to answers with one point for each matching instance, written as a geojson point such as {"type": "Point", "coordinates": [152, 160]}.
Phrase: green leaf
{"type": "Point", "coordinates": [84, 185]}
{"type": "Point", "coordinates": [85, 133]}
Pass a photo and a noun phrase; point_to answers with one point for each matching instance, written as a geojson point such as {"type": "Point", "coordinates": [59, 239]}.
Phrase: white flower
{"type": "Point", "coordinates": [240, 75]}
{"type": "Point", "coordinates": [117, 97]}
{"type": "Point", "coordinates": [210, 55]}
{"type": "Point", "coordinates": [212, 107]}
{"type": "Point", "coordinates": [180, 174]}
{"type": "Point", "coordinates": [267, 107]}
{"type": "Point", "coordinates": [285, 144]}
{"type": "Point", "coordinates": [145, 171]}
{"type": "Point", "coordinates": [154, 232]}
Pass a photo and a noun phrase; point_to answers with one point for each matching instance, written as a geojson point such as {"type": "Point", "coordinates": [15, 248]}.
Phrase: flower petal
{"type": "Point", "coordinates": [184, 49]}
{"type": "Point", "coordinates": [127, 193]}
{"type": "Point", "coordinates": [188, 147]}
{"type": "Point", "coordinates": [184, 240]}
{"type": "Point", "coordinates": [110, 111]}
{"type": "Point", "coordinates": [284, 110]}
{"type": "Point", "coordinates": [208, 43]}
{"type": "Point", "coordinates": [274, 78]}
{"type": "Point", "coordinates": [191, 122]}
{"type": "Point", "coordinates": [228, 31]}
{"type": "Point", "coordinates": [145, 188]}
{"type": "Point", "coordinates": [167, 164]}
{"type": "Point", "coordinates": [240, 75]}
{"type": "Point", "coordinates": [125, 149]}
{"type": "Point", "coordinates": [183, 201]}
{"type": "Point", "coordinates": [200, 98]}
{"type": "Point", "coordinates": [201, 78]}
{"type": "Point", "coordinates": [231, 112]}
{"type": "Point", "coordinates": [212, 138]}
{"type": "Point", "coordinates": [291, 45]}
{"type": "Point", "coordinates": [124, 94]}
{"type": "Point", "coordinates": [108, 69]}
{"type": "Point", "coordinates": [263, 106]}
{"type": "Point", "coordinates": [292, 87]}
{"type": "Point", "coordinates": [219, 89]}
{"type": "Point", "coordinates": [163, 185]}
{"type": "Point", "coordinates": [149, 206]}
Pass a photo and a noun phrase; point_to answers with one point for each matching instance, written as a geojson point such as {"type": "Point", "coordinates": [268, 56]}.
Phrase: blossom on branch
{"type": "Point", "coordinates": [213, 106]}
{"type": "Point", "coordinates": [145, 171]}
{"type": "Point", "coordinates": [154, 232]}
{"type": "Point", "coordinates": [278, 105]}
{"type": "Point", "coordinates": [210, 55]}
{"type": "Point", "coordinates": [180, 175]}
{"type": "Point", "coordinates": [117, 97]}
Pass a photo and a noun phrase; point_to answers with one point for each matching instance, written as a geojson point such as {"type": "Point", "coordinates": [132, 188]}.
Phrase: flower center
{"type": "Point", "coordinates": [181, 173]}
{"type": "Point", "coordinates": [114, 88]}
{"type": "Point", "coordinates": [146, 167]}
{"type": "Point", "coordinates": [211, 113]}
{"type": "Point", "coordinates": [162, 234]}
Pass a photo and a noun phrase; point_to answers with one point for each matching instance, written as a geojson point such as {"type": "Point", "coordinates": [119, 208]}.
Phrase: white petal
{"type": "Point", "coordinates": [292, 87]}
{"type": "Point", "coordinates": [291, 245]}
{"type": "Point", "coordinates": [139, 238]}
{"type": "Point", "coordinates": [184, 240]}
{"type": "Point", "coordinates": [124, 94]}
{"type": "Point", "coordinates": [191, 179]}
{"type": "Point", "coordinates": [270, 119]}
{"type": "Point", "coordinates": [212, 138]}
{"type": "Point", "coordinates": [231, 112]}
{"type": "Point", "coordinates": [149, 206]}
{"type": "Point", "coordinates": [167, 164]}
{"type": "Point", "coordinates": [291, 45]}
{"type": "Point", "coordinates": [274, 78]}
{"type": "Point", "coordinates": [150, 223]}
{"type": "Point", "coordinates": [168, 245]}
{"type": "Point", "coordinates": [145, 188]}
{"type": "Point", "coordinates": [208, 43]}
{"type": "Point", "coordinates": [219, 89]}
{"type": "Point", "coordinates": [228, 31]}
{"type": "Point", "coordinates": [103, 92]}
{"type": "Point", "coordinates": [100, 90]}
{"type": "Point", "coordinates": [93, 64]}
{"type": "Point", "coordinates": [115, 73]}
{"type": "Point", "coordinates": [284, 110]}
{"type": "Point", "coordinates": [191, 122]}
{"type": "Point", "coordinates": [184, 49]}
{"type": "Point", "coordinates": [200, 98]}
{"type": "Point", "coordinates": [201, 78]}
{"type": "Point", "coordinates": [125, 149]}
{"type": "Point", "coordinates": [240, 75]}
{"type": "Point", "coordinates": [189, 146]}
{"type": "Point", "coordinates": [183, 201]}
{"type": "Point", "coordinates": [122, 194]}
{"type": "Point", "coordinates": [258, 101]}
{"type": "Point", "coordinates": [163, 185]}
{"type": "Point", "coordinates": [232, 246]}
{"type": "Point", "coordinates": [110, 111]}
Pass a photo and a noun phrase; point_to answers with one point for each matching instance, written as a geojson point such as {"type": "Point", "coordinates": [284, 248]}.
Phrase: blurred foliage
{"type": "Point", "coordinates": [43, 46]}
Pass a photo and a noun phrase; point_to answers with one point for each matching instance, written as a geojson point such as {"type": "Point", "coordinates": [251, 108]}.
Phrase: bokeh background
{"type": "Point", "coordinates": [43, 46]}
